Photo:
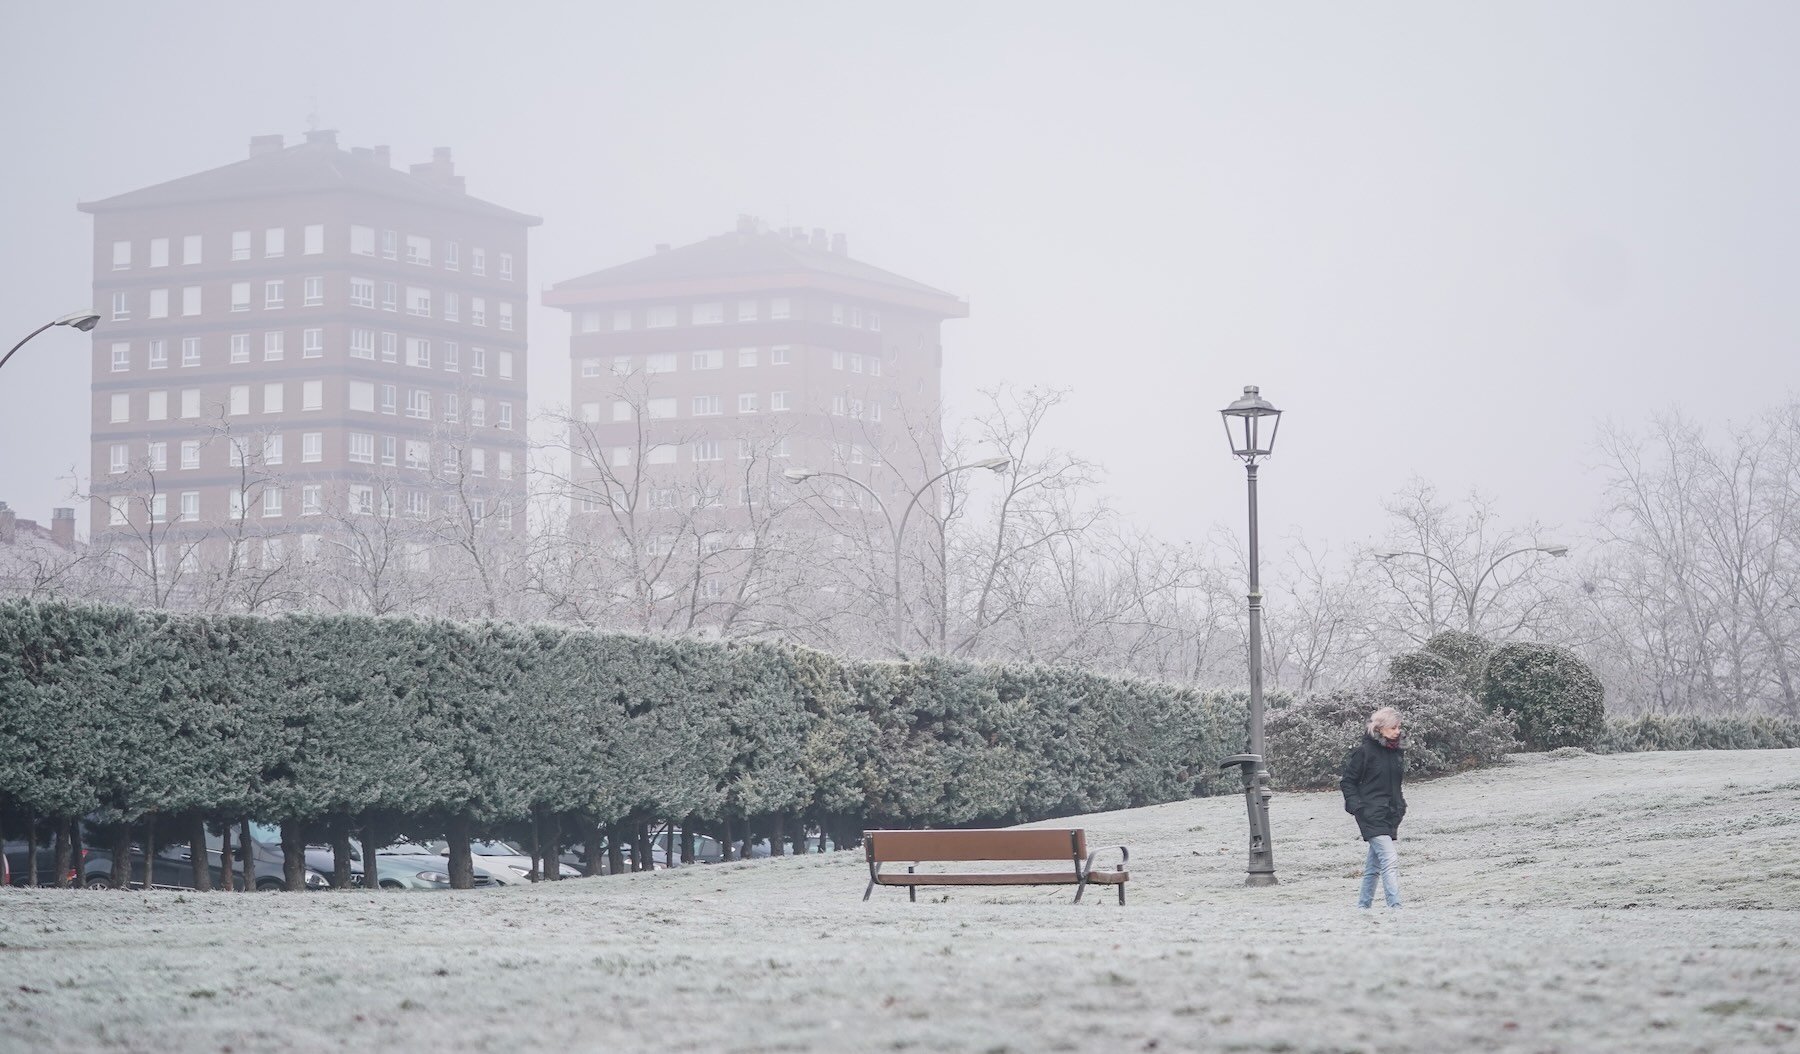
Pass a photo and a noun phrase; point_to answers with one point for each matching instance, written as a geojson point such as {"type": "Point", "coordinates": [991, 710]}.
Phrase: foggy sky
{"type": "Point", "coordinates": [1448, 239]}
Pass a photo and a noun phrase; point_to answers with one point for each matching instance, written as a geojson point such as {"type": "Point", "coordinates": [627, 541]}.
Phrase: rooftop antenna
{"type": "Point", "coordinates": [312, 116]}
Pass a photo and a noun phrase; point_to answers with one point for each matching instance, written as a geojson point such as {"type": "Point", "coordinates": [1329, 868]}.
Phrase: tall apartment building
{"type": "Point", "coordinates": [300, 338]}
{"type": "Point", "coordinates": [689, 363]}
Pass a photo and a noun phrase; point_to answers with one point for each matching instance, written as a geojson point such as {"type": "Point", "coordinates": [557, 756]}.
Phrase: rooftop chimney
{"type": "Point", "coordinates": [62, 527]}
{"type": "Point", "coordinates": [840, 245]}
{"type": "Point", "coordinates": [265, 144]}
{"type": "Point", "coordinates": [322, 137]}
{"type": "Point", "coordinates": [440, 170]}
{"type": "Point", "coordinates": [818, 238]}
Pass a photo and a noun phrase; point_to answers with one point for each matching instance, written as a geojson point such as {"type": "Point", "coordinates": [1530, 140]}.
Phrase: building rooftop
{"type": "Point", "coordinates": [315, 164]}
{"type": "Point", "coordinates": [755, 253]}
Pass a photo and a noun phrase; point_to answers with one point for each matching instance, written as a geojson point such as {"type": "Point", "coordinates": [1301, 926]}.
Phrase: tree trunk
{"type": "Point", "coordinates": [31, 853]}
{"type": "Point", "coordinates": [121, 854]}
{"type": "Point", "coordinates": [371, 850]}
{"type": "Point", "coordinates": [197, 854]}
{"type": "Point", "coordinates": [462, 866]}
{"type": "Point", "coordinates": [687, 838]}
{"type": "Point", "coordinates": [340, 855]}
{"type": "Point", "coordinates": [78, 850]}
{"type": "Point", "coordinates": [537, 850]}
{"type": "Point", "coordinates": [777, 835]}
{"type": "Point", "coordinates": [150, 850]}
{"type": "Point", "coordinates": [225, 860]}
{"type": "Point", "coordinates": [615, 853]}
{"type": "Point", "coordinates": [644, 850]}
{"type": "Point", "coordinates": [62, 854]}
{"type": "Point", "coordinates": [726, 855]}
{"type": "Point", "coordinates": [591, 841]}
{"type": "Point", "coordinates": [293, 856]}
{"type": "Point", "coordinates": [249, 846]}
{"type": "Point", "coordinates": [552, 869]}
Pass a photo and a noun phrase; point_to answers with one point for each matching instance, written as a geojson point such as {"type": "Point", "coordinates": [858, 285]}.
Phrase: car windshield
{"type": "Point", "coordinates": [493, 849]}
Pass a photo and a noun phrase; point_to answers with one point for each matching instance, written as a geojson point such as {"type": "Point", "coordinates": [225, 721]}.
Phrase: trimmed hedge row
{"type": "Point", "coordinates": [305, 718]}
{"type": "Point", "coordinates": [1657, 732]}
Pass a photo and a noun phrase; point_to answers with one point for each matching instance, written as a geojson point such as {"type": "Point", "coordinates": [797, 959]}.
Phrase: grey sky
{"type": "Point", "coordinates": [1448, 238]}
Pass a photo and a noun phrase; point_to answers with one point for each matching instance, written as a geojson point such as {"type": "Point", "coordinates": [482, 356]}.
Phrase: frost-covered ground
{"type": "Point", "coordinates": [1646, 902]}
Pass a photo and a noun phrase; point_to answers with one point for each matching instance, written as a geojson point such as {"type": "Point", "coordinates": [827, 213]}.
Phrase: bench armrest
{"type": "Point", "coordinates": [1124, 856]}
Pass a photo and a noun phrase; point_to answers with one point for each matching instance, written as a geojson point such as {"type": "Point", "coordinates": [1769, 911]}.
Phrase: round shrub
{"type": "Point", "coordinates": [1451, 657]}
{"type": "Point", "coordinates": [1554, 695]}
{"type": "Point", "coordinates": [1445, 731]}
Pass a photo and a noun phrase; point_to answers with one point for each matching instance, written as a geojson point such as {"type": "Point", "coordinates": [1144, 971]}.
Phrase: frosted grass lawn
{"type": "Point", "coordinates": [1644, 902]}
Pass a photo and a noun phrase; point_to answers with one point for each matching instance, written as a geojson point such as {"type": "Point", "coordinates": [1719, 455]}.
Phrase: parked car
{"type": "Point", "coordinates": [495, 856]}
{"type": "Point", "coordinates": [173, 867]}
{"type": "Point", "coordinates": [405, 869]}
{"type": "Point", "coordinates": [17, 857]}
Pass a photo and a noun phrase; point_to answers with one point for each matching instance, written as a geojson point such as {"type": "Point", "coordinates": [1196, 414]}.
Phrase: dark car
{"type": "Point", "coordinates": [18, 864]}
{"type": "Point", "coordinates": [174, 864]}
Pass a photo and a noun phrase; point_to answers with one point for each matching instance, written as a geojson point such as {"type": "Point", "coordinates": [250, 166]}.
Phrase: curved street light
{"type": "Point", "coordinates": [898, 529]}
{"type": "Point", "coordinates": [82, 320]}
{"type": "Point", "coordinates": [1473, 593]}
{"type": "Point", "coordinates": [1244, 421]}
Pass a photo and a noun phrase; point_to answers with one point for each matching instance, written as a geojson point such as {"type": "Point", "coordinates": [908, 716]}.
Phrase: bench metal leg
{"type": "Point", "coordinates": [1080, 888]}
{"type": "Point", "coordinates": [1121, 894]}
{"type": "Point", "coordinates": [871, 889]}
{"type": "Point", "coordinates": [912, 892]}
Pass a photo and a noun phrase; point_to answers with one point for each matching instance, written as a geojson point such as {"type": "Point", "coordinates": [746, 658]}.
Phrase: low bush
{"type": "Point", "coordinates": [1554, 695]}
{"type": "Point", "coordinates": [1660, 732]}
{"type": "Point", "coordinates": [1445, 731]}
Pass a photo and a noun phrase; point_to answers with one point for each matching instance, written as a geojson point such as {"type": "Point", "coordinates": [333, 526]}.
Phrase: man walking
{"type": "Point", "coordinates": [1371, 786]}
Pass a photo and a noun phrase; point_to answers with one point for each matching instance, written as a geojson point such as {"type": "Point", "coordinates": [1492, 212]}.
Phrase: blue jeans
{"type": "Point", "coordinates": [1383, 861]}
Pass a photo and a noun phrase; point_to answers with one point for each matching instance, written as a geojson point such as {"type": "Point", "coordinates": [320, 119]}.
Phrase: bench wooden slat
{"type": "Point", "coordinates": [1043, 844]}
{"type": "Point", "coordinates": [1026, 878]}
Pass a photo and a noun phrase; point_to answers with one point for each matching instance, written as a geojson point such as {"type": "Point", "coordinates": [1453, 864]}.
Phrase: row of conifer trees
{"type": "Point", "coordinates": [333, 724]}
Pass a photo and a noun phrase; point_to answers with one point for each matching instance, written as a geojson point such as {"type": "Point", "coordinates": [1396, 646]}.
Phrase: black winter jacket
{"type": "Point", "coordinates": [1371, 786]}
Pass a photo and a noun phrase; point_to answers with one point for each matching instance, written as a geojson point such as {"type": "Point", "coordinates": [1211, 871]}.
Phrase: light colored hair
{"type": "Point", "coordinates": [1386, 717]}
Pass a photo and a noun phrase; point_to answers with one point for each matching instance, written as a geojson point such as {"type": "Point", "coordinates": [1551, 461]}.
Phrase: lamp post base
{"type": "Point", "coordinates": [1260, 880]}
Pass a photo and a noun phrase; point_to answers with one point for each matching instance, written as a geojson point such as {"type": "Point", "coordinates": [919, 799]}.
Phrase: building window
{"type": "Point", "coordinates": [840, 405]}
{"type": "Point", "coordinates": [121, 356]}
{"type": "Point", "coordinates": [875, 321]}
{"type": "Point", "coordinates": [240, 296]}
{"type": "Point", "coordinates": [746, 310]}
{"type": "Point", "coordinates": [190, 301]}
{"type": "Point", "coordinates": [121, 408]}
{"type": "Point", "coordinates": [190, 506]}
{"type": "Point", "coordinates": [159, 513]}
{"type": "Point", "coordinates": [621, 410]}
{"type": "Point", "coordinates": [121, 256]}
{"type": "Point", "coordinates": [779, 401]}
{"type": "Point", "coordinates": [452, 408]}
{"type": "Point", "coordinates": [661, 317]}
{"type": "Point", "coordinates": [313, 239]}
{"type": "Point", "coordinates": [707, 405]}
{"type": "Point", "coordinates": [621, 319]}
{"type": "Point", "coordinates": [418, 302]}
{"type": "Point", "coordinates": [477, 462]}
{"type": "Point", "coordinates": [708, 360]}
{"type": "Point", "coordinates": [115, 512]}
{"type": "Point", "coordinates": [389, 399]}
{"type": "Point", "coordinates": [272, 397]}
{"type": "Point", "coordinates": [503, 364]}
{"type": "Point", "coordinates": [159, 354]}
{"type": "Point", "coordinates": [274, 345]}
{"type": "Point", "coordinates": [505, 464]}
{"type": "Point", "coordinates": [159, 252]}
{"type": "Point", "coordinates": [662, 454]}
{"type": "Point", "coordinates": [312, 343]}
{"type": "Point", "coordinates": [240, 347]}
{"type": "Point", "coordinates": [837, 314]}
{"type": "Point", "coordinates": [362, 396]}
{"type": "Point", "coordinates": [477, 311]}
{"type": "Point", "coordinates": [312, 500]}
{"type": "Point", "coordinates": [313, 290]}
{"type": "Point", "coordinates": [190, 351]}
{"type": "Point", "coordinates": [478, 361]}
{"type": "Point", "coordinates": [239, 403]}
{"type": "Point", "coordinates": [121, 307]}
{"type": "Point", "coordinates": [452, 256]}
{"type": "Point", "coordinates": [663, 362]}
{"type": "Point", "coordinates": [362, 240]}
{"type": "Point", "coordinates": [120, 460]}
{"type": "Point", "coordinates": [190, 249]}
{"type": "Point", "coordinates": [159, 303]}
{"type": "Point", "coordinates": [390, 245]}
{"type": "Point", "coordinates": [855, 362]}
{"type": "Point", "coordinates": [660, 409]}
{"type": "Point", "coordinates": [362, 344]}
{"type": "Point", "coordinates": [156, 406]}
{"type": "Point", "coordinates": [478, 262]}
{"type": "Point", "coordinates": [590, 413]}
{"type": "Point", "coordinates": [362, 292]}
{"type": "Point", "coordinates": [778, 307]}
{"type": "Point", "coordinates": [506, 316]}
{"type": "Point", "coordinates": [746, 357]}
{"type": "Point", "coordinates": [418, 454]}
{"type": "Point", "coordinates": [362, 499]}
{"type": "Point", "coordinates": [589, 367]}
{"type": "Point", "coordinates": [390, 347]}
{"type": "Point", "coordinates": [505, 421]}
{"type": "Point", "coordinates": [390, 296]}
{"type": "Point", "coordinates": [275, 242]}
{"type": "Point", "coordinates": [707, 450]}
{"type": "Point", "coordinates": [747, 402]}
{"type": "Point", "coordinates": [190, 453]}
{"type": "Point", "coordinates": [587, 322]}
{"type": "Point", "coordinates": [272, 449]}
{"type": "Point", "coordinates": [418, 352]}
{"type": "Point", "coordinates": [707, 314]}
{"type": "Point", "coordinates": [362, 448]}
{"type": "Point", "coordinates": [837, 360]}
{"type": "Point", "coordinates": [874, 363]}
{"type": "Point", "coordinates": [312, 447]}
{"type": "Point", "coordinates": [477, 412]}
{"type": "Point", "coordinates": [452, 307]}
{"type": "Point", "coordinates": [506, 267]}
{"type": "Point", "coordinates": [621, 365]}
{"type": "Point", "coordinates": [390, 449]}
{"type": "Point", "coordinates": [190, 404]}
{"type": "Point", "coordinates": [312, 395]}
{"type": "Point", "coordinates": [271, 505]}
{"type": "Point", "coordinates": [240, 245]}
{"type": "Point", "coordinates": [418, 250]}
{"type": "Point", "coordinates": [418, 404]}
{"type": "Point", "coordinates": [451, 355]}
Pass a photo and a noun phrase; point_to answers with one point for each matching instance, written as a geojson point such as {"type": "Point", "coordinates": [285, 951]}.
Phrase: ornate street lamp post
{"type": "Point", "coordinates": [1252, 437]}
{"type": "Point", "coordinates": [897, 528]}
{"type": "Point", "coordinates": [82, 320]}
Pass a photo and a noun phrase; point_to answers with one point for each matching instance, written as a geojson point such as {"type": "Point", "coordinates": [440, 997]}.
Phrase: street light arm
{"type": "Point", "coordinates": [26, 341]}
{"type": "Point", "coordinates": [1490, 570]}
{"type": "Point", "coordinates": [917, 494]}
{"type": "Point", "coordinates": [866, 489]}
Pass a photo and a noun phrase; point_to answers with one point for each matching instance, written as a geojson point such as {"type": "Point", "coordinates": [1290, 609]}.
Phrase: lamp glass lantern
{"type": "Point", "coordinates": [1256, 422]}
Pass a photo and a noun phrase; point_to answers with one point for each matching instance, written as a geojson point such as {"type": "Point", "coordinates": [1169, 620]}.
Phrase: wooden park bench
{"type": "Point", "coordinates": [1064, 845]}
